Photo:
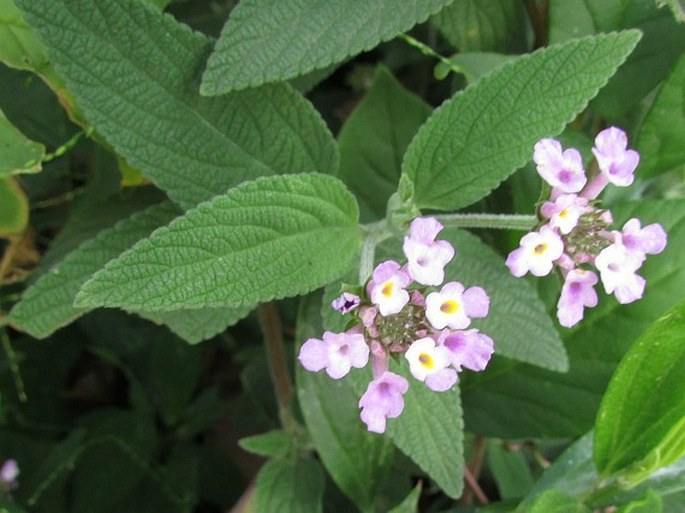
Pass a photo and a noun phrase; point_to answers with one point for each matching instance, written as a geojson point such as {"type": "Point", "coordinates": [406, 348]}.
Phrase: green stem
{"type": "Point", "coordinates": [493, 221]}
{"type": "Point", "coordinates": [14, 367]}
{"type": "Point", "coordinates": [270, 322]}
{"type": "Point", "coordinates": [429, 52]}
{"type": "Point", "coordinates": [64, 148]}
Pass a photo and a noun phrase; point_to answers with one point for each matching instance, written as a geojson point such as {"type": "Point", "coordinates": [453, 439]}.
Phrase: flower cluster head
{"type": "Point", "coordinates": [9, 472]}
{"type": "Point", "coordinates": [406, 310]}
{"type": "Point", "coordinates": [575, 235]}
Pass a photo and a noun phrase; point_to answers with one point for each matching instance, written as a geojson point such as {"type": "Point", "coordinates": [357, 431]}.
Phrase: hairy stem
{"type": "Point", "coordinates": [272, 329]}
{"type": "Point", "coordinates": [429, 52]}
{"type": "Point", "coordinates": [494, 221]}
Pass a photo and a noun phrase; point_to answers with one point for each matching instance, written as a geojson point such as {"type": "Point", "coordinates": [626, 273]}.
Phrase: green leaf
{"type": "Point", "coordinates": [254, 49]}
{"type": "Point", "coordinates": [483, 134]}
{"type": "Point", "coordinates": [271, 238]}
{"type": "Point", "coordinates": [290, 486]}
{"type": "Point", "coordinates": [554, 501]}
{"type": "Point", "coordinates": [480, 25]}
{"type": "Point", "coordinates": [662, 44]}
{"type": "Point", "coordinates": [509, 469]}
{"type": "Point", "coordinates": [358, 461]}
{"type": "Point", "coordinates": [274, 444]}
{"type": "Point", "coordinates": [192, 147]}
{"type": "Point", "coordinates": [18, 154]}
{"type": "Point", "coordinates": [512, 400]}
{"type": "Point", "coordinates": [374, 138]}
{"type": "Point", "coordinates": [47, 305]}
{"type": "Point", "coordinates": [659, 140]}
{"type": "Point", "coordinates": [517, 322]}
{"type": "Point", "coordinates": [640, 424]}
{"type": "Point", "coordinates": [569, 19]}
{"type": "Point", "coordinates": [19, 46]}
{"type": "Point", "coordinates": [197, 325]}
{"type": "Point", "coordinates": [14, 207]}
{"type": "Point", "coordinates": [410, 504]}
{"type": "Point", "coordinates": [676, 7]}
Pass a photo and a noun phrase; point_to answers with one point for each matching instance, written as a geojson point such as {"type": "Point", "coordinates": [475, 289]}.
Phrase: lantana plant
{"type": "Point", "coordinates": [401, 314]}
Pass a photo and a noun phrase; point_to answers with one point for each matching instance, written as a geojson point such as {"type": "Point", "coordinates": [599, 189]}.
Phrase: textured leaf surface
{"type": "Point", "coordinates": [479, 137]}
{"type": "Point", "coordinates": [473, 65]}
{"type": "Point", "coordinates": [660, 140]}
{"type": "Point", "coordinates": [18, 154]}
{"type": "Point", "coordinates": [517, 322]}
{"type": "Point", "coordinates": [270, 40]}
{"type": "Point", "coordinates": [271, 238]}
{"type": "Point", "coordinates": [200, 324]}
{"type": "Point", "coordinates": [358, 461]}
{"type": "Point", "coordinates": [48, 304]}
{"type": "Point", "coordinates": [554, 501]}
{"type": "Point", "coordinates": [512, 400]}
{"type": "Point", "coordinates": [135, 72]}
{"type": "Point", "coordinates": [271, 444]}
{"type": "Point", "coordinates": [640, 422]}
{"type": "Point", "coordinates": [479, 25]}
{"type": "Point", "coordinates": [290, 486]}
{"type": "Point", "coordinates": [374, 138]}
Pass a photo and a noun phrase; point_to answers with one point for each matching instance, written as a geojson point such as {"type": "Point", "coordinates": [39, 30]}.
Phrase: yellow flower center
{"type": "Point", "coordinates": [449, 307]}
{"type": "Point", "coordinates": [563, 214]}
{"type": "Point", "coordinates": [427, 361]}
{"type": "Point", "coordinates": [387, 289]}
{"type": "Point", "coordinates": [540, 249]}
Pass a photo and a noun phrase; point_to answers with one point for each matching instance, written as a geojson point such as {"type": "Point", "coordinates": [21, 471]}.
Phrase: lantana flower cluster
{"type": "Point", "coordinates": [402, 313]}
{"type": "Point", "coordinates": [575, 236]}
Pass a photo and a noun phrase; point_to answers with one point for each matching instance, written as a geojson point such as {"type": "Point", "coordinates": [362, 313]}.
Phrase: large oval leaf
{"type": "Point", "coordinates": [482, 135]}
{"type": "Point", "coordinates": [270, 40]}
{"type": "Point", "coordinates": [271, 238]}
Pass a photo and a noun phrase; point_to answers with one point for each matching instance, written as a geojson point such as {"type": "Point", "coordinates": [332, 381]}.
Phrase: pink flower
{"type": "Point", "coordinates": [9, 473]}
{"type": "Point", "coordinates": [615, 162]}
{"type": "Point", "coordinates": [650, 240]}
{"type": "Point", "coordinates": [617, 268]}
{"type": "Point", "coordinates": [453, 306]}
{"type": "Point", "coordinates": [346, 302]}
{"type": "Point", "coordinates": [337, 353]}
{"type": "Point", "coordinates": [471, 349]}
{"type": "Point", "coordinates": [383, 400]}
{"type": "Point", "coordinates": [577, 293]}
{"type": "Point", "coordinates": [564, 212]}
{"type": "Point", "coordinates": [429, 362]}
{"type": "Point", "coordinates": [426, 257]}
{"type": "Point", "coordinates": [387, 287]}
{"type": "Point", "coordinates": [537, 253]}
{"type": "Point", "coordinates": [562, 170]}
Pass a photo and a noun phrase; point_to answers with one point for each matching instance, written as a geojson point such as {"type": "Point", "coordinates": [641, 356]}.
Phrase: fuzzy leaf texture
{"type": "Point", "coordinates": [271, 40]}
{"type": "Point", "coordinates": [290, 486]}
{"type": "Point", "coordinates": [482, 135]}
{"type": "Point", "coordinates": [135, 73]}
{"type": "Point", "coordinates": [640, 425]}
{"type": "Point", "coordinates": [267, 239]}
{"type": "Point", "coordinates": [47, 304]}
